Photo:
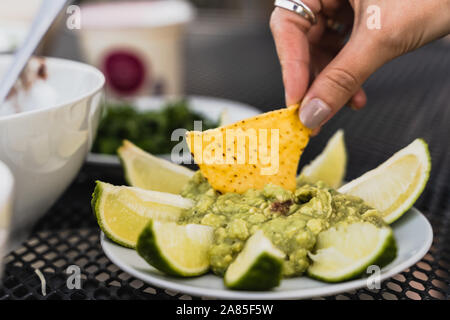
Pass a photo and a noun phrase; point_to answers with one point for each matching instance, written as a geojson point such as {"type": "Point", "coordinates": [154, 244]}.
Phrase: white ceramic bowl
{"type": "Point", "coordinates": [44, 148]}
{"type": "Point", "coordinates": [6, 194]}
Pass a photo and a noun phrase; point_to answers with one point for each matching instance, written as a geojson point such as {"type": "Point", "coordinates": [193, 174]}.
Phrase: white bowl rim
{"type": "Point", "coordinates": [6, 185]}
{"type": "Point", "coordinates": [58, 61]}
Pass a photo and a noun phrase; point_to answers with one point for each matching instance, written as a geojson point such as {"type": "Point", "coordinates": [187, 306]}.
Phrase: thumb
{"type": "Point", "coordinates": [337, 84]}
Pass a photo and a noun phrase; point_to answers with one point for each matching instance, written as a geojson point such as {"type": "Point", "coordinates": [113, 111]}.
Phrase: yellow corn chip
{"type": "Point", "coordinates": [252, 152]}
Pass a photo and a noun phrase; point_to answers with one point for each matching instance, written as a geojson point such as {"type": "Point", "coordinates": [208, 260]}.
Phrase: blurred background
{"type": "Point", "coordinates": [218, 49]}
{"type": "Point", "coordinates": [224, 49]}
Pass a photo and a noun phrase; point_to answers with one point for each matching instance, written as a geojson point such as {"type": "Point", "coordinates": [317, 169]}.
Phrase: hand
{"type": "Point", "coordinates": [340, 68]}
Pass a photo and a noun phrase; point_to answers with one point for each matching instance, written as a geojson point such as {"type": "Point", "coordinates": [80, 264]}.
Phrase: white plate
{"type": "Point", "coordinates": [413, 234]}
{"type": "Point", "coordinates": [211, 108]}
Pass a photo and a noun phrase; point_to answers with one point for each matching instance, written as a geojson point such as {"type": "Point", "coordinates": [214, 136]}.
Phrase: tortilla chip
{"type": "Point", "coordinates": [253, 152]}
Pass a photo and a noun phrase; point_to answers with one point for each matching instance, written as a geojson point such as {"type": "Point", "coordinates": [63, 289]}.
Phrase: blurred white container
{"type": "Point", "coordinates": [6, 195]}
{"type": "Point", "coordinates": [45, 147]}
{"type": "Point", "coordinates": [15, 19]}
{"type": "Point", "coordinates": [137, 45]}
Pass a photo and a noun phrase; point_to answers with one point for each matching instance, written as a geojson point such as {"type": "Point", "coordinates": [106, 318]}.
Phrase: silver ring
{"type": "Point", "coordinates": [298, 7]}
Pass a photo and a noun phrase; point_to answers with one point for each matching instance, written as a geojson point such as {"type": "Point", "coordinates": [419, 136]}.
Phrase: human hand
{"type": "Point", "coordinates": [340, 68]}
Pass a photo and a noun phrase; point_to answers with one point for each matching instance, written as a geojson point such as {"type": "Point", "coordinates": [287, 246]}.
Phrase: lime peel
{"type": "Point", "coordinates": [122, 211]}
{"type": "Point", "coordinates": [394, 186]}
{"type": "Point", "coordinates": [177, 250]}
{"type": "Point", "coordinates": [257, 267]}
{"type": "Point", "coordinates": [346, 251]}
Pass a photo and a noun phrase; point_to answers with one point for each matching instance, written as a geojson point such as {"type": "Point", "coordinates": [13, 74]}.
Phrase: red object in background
{"type": "Point", "coordinates": [124, 71]}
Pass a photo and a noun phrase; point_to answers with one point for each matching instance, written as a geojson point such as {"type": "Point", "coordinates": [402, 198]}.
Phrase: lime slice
{"type": "Point", "coordinates": [394, 186]}
{"type": "Point", "coordinates": [344, 252]}
{"type": "Point", "coordinates": [178, 250]}
{"type": "Point", "coordinates": [122, 212]}
{"type": "Point", "coordinates": [330, 165]}
{"type": "Point", "coordinates": [257, 267]}
{"type": "Point", "coordinates": [146, 171]}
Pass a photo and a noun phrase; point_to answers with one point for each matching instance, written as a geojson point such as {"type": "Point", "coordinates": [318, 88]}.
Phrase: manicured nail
{"type": "Point", "coordinates": [314, 112]}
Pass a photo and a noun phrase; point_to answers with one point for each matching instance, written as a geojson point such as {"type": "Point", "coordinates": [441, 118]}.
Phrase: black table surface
{"type": "Point", "coordinates": [408, 98]}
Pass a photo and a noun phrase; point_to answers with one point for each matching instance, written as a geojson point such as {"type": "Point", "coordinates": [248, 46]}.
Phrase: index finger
{"type": "Point", "coordinates": [289, 31]}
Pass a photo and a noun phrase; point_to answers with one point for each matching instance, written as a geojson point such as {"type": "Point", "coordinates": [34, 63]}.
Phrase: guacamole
{"type": "Point", "coordinates": [291, 220]}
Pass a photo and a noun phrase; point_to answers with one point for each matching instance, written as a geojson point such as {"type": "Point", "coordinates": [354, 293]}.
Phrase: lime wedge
{"type": "Point", "coordinates": [122, 212]}
{"type": "Point", "coordinates": [257, 267]}
{"type": "Point", "coordinates": [330, 165]}
{"type": "Point", "coordinates": [178, 250]}
{"type": "Point", "coordinates": [344, 252]}
{"type": "Point", "coordinates": [394, 186]}
{"type": "Point", "coordinates": [146, 171]}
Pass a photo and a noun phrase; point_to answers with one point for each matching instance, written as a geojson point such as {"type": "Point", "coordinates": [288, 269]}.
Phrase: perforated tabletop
{"type": "Point", "coordinates": [408, 98]}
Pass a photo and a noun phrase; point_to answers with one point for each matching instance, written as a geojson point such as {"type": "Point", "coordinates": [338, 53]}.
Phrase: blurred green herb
{"type": "Point", "coordinates": [150, 130]}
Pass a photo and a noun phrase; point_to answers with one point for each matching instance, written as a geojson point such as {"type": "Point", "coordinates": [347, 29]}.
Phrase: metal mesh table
{"type": "Point", "coordinates": [408, 99]}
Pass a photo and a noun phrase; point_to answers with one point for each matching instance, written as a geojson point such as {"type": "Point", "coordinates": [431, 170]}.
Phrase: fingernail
{"type": "Point", "coordinates": [314, 112]}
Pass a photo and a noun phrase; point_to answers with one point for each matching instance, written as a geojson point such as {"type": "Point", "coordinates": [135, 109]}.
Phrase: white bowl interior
{"type": "Point", "coordinates": [67, 82]}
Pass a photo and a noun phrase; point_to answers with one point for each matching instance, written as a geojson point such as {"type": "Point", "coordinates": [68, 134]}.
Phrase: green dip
{"type": "Point", "coordinates": [291, 220]}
